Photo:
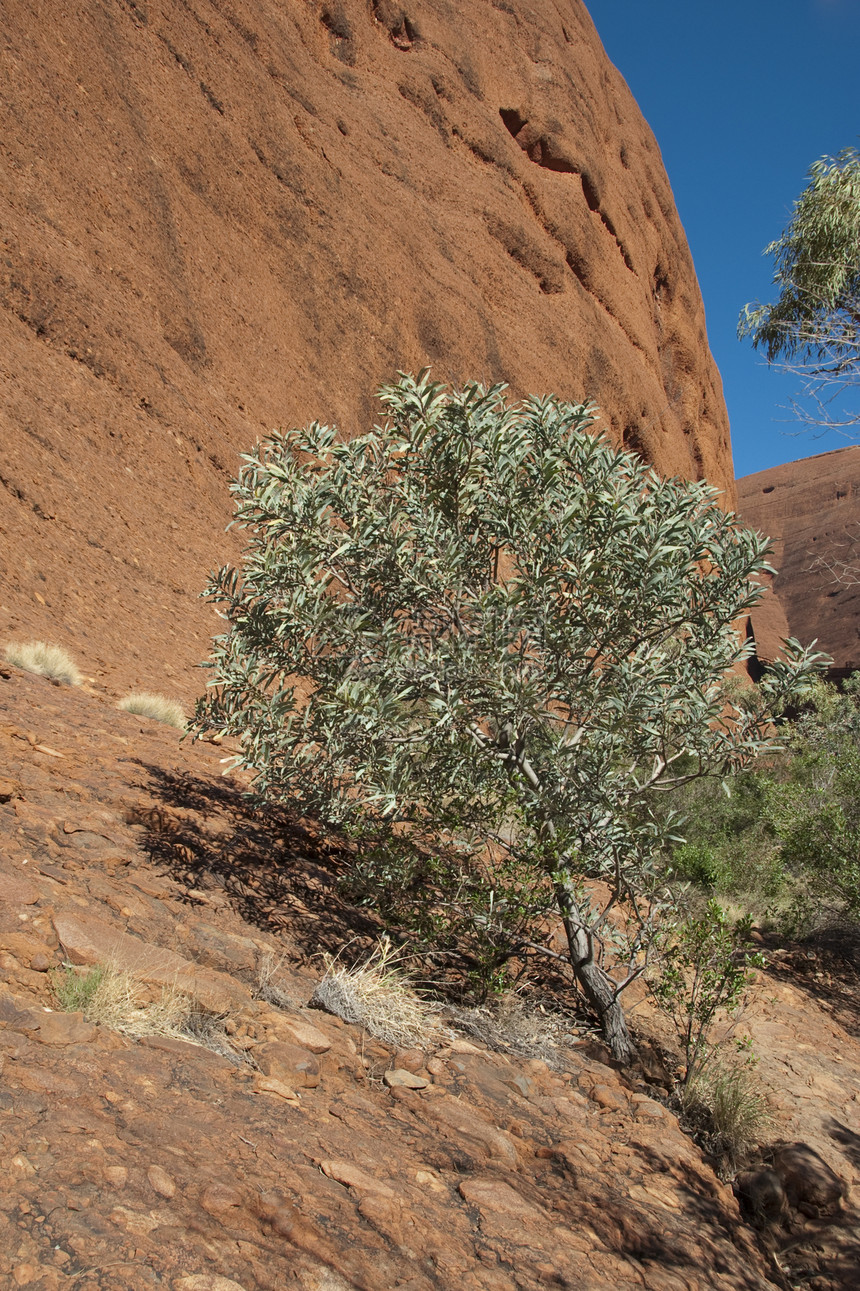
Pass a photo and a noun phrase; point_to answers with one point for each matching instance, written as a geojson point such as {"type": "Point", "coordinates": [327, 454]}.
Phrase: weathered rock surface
{"type": "Point", "coordinates": [811, 510]}
{"type": "Point", "coordinates": [216, 220]}
{"type": "Point", "coordinates": [300, 1151]}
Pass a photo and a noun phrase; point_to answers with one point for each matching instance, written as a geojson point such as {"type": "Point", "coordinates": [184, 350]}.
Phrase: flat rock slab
{"type": "Point", "coordinates": [86, 940]}
{"type": "Point", "coordinates": [17, 891]}
{"type": "Point", "coordinates": [461, 1121]}
{"type": "Point", "coordinates": [399, 1078]}
{"type": "Point", "coordinates": [352, 1176]}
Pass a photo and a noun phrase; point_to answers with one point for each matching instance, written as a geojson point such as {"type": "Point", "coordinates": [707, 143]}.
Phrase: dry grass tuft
{"type": "Point", "coordinates": [160, 709]}
{"type": "Point", "coordinates": [112, 997]}
{"type": "Point", "coordinates": [511, 1025]}
{"type": "Point", "coordinates": [727, 1109]}
{"type": "Point", "coordinates": [44, 659]}
{"type": "Point", "coordinates": [380, 997]}
{"type": "Point", "coordinates": [267, 988]}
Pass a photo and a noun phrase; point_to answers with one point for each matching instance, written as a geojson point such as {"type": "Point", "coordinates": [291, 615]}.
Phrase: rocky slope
{"type": "Point", "coordinates": [296, 1149]}
{"type": "Point", "coordinates": [222, 215]}
{"type": "Point", "coordinates": [811, 510]}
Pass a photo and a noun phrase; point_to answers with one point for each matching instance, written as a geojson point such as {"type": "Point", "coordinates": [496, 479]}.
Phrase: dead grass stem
{"type": "Point", "coordinates": [110, 996]}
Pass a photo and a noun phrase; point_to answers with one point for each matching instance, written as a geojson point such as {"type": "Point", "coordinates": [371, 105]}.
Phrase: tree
{"type": "Point", "coordinates": [814, 326]}
{"type": "Point", "coordinates": [481, 624]}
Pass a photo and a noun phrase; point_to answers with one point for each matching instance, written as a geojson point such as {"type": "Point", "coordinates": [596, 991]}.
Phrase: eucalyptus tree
{"type": "Point", "coordinates": [480, 622]}
{"type": "Point", "coordinates": [813, 328]}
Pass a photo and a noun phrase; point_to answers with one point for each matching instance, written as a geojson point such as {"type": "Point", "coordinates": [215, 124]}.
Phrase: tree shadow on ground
{"type": "Point", "coordinates": [848, 1140]}
{"type": "Point", "coordinates": [671, 1240]}
{"type": "Point", "coordinates": [283, 874]}
{"type": "Point", "coordinates": [278, 872]}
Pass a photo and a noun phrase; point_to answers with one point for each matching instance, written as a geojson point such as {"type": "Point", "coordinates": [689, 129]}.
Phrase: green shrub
{"type": "Point", "coordinates": [783, 838]}
{"type": "Point", "coordinates": [707, 963]}
{"type": "Point", "coordinates": [75, 991]}
{"type": "Point", "coordinates": [815, 812]}
{"type": "Point", "coordinates": [479, 627]}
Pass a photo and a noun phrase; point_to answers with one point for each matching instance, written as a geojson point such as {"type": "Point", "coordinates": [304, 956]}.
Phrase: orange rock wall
{"type": "Point", "coordinates": [811, 510]}
{"type": "Point", "coordinates": [221, 216]}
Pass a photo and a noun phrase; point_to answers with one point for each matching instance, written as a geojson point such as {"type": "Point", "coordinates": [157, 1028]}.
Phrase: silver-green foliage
{"type": "Point", "coordinates": [814, 325]}
{"type": "Point", "coordinates": [483, 620]}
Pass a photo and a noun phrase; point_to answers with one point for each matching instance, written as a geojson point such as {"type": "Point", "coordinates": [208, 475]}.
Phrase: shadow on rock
{"type": "Point", "coordinates": [274, 871]}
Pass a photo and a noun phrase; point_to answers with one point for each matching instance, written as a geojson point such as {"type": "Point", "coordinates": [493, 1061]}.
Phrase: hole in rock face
{"type": "Point", "coordinates": [632, 440]}
{"type": "Point", "coordinates": [661, 283]}
{"type": "Point", "coordinates": [513, 120]}
{"type": "Point", "coordinates": [769, 489]}
{"type": "Point", "coordinates": [552, 159]}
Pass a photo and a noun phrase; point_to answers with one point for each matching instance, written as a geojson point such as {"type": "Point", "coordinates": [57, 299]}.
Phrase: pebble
{"type": "Point", "coordinates": [161, 1181]}
{"type": "Point", "coordinates": [217, 1198]}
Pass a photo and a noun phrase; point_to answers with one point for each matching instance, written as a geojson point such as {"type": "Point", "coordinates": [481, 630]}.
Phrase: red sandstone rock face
{"type": "Point", "coordinates": [218, 218]}
{"type": "Point", "coordinates": [811, 510]}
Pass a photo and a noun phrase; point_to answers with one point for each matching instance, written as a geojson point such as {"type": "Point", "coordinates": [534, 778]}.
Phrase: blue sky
{"type": "Point", "coordinates": [742, 98]}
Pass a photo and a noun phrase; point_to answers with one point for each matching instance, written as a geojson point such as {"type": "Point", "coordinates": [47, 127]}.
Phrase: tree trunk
{"type": "Point", "coordinates": [596, 984]}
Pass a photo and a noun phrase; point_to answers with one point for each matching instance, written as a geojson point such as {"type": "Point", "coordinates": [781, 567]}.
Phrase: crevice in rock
{"type": "Point", "coordinates": [211, 98]}
{"type": "Point", "coordinates": [513, 121]}
{"type": "Point", "coordinates": [547, 272]}
{"type": "Point", "coordinates": [18, 493]}
{"type": "Point", "coordinates": [401, 30]}
{"type": "Point", "coordinates": [426, 103]}
{"type": "Point", "coordinates": [632, 441]}
{"type": "Point", "coordinates": [545, 152]}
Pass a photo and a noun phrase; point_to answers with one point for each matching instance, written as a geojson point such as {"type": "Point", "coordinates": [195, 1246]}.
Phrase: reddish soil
{"type": "Point", "coordinates": [219, 217]}
{"type": "Point", "coordinates": [811, 510]}
{"type": "Point", "coordinates": [293, 1155]}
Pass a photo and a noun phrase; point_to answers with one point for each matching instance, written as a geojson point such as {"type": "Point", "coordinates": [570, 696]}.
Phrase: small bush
{"type": "Point", "coordinates": [160, 709]}
{"type": "Point", "coordinates": [705, 970]}
{"type": "Point", "coordinates": [378, 996]}
{"type": "Point", "coordinates": [45, 660]}
{"type": "Point", "coordinates": [479, 626]}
